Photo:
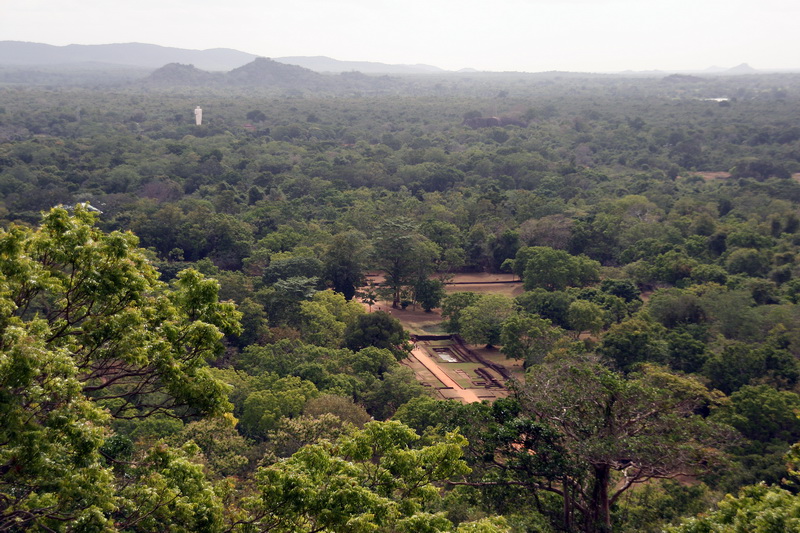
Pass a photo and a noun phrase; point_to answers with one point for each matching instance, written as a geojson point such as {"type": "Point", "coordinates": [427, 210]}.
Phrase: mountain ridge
{"type": "Point", "coordinates": [153, 56]}
{"type": "Point", "coordinates": [270, 74]}
{"type": "Point", "coordinates": [21, 53]}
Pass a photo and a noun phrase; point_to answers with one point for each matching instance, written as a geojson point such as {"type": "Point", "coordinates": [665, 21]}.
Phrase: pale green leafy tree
{"type": "Point", "coordinates": [326, 316]}
{"type": "Point", "coordinates": [585, 316]}
{"type": "Point", "coordinates": [529, 337]}
{"type": "Point", "coordinates": [50, 467]}
{"type": "Point", "coordinates": [757, 508]}
{"type": "Point", "coordinates": [382, 478]}
{"type": "Point", "coordinates": [283, 397]}
{"type": "Point", "coordinates": [551, 269]}
{"type": "Point", "coordinates": [87, 333]}
{"type": "Point", "coordinates": [482, 322]}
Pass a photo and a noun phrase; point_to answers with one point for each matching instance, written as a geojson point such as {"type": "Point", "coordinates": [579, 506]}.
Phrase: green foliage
{"type": "Point", "coordinates": [633, 341]}
{"type": "Point", "coordinates": [552, 269]}
{"type": "Point", "coordinates": [372, 377]}
{"type": "Point", "coordinates": [675, 307]}
{"type": "Point", "coordinates": [310, 192]}
{"type": "Point", "coordinates": [530, 338]}
{"type": "Point", "coordinates": [733, 313]}
{"type": "Point", "coordinates": [397, 387]}
{"type": "Point", "coordinates": [88, 333]}
{"type": "Point", "coordinates": [343, 408]}
{"type": "Point", "coordinates": [255, 326]}
{"type": "Point", "coordinates": [402, 254]}
{"type": "Point", "coordinates": [167, 490]}
{"type": "Point", "coordinates": [292, 267]}
{"type": "Point", "coordinates": [585, 316]}
{"type": "Point", "coordinates": [425, 413]}
{"type": "Point", "coordinates": [652, 506]}
{"type": "Point", "coordinates": [105, 306]}
{"type": "Point", "coordinates": [379, 478]}
{"type": "Point", "coordinates": [224, 451]}
{"type": "Point", "coordinates": [344, 262]}
{"type": "Point", "coordinates": [295, 433]}
{"type": "Point", "coordinates": [379, 330]}
{"type": "Point", "coordinates": [760, 412]}
{"type": "Point", "coordinates": [687, 353]}
{"type": "Point", "coordinates": [621, 288]}
{"type": "Point", "coordinates": [482, 322]}
{"type": "Point", "coordinates": [263, 409]}
{"type": "Point", "coordinates": [755, 508]}
{"type": "Point", "coordinates": [739, 364]}
{"type": "Point", "coordinates": [429, 293]}
{"type": "Point", "coordinates": [453, 305]}
{"type": "Point", "coordinates": [326, 316]}
{"type": "Point", "coordinates": [51, 466]}
{"type": "Point", "coordinates": [608, 423]}
{"type": "Point", "coordinates": [747, 261]}
{"type": "Point", "coordinates": [552, 305]}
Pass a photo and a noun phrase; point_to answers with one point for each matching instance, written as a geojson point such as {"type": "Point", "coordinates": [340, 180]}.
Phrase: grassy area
{"type": "Point", "coordinates": [434, 329]}
{"type": "Point", "coordinates": [415, 329]}
{"type": "Point", "coordinates": [465, 383]}
{"type": "Point", "coordinates": [439, 343]}
{"type": "Point", "coordinates": [466, 367]}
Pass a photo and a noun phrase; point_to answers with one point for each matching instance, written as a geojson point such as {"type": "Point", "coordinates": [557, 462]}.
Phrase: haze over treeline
{"type": "Point", "coordinates": [535, 36]}
{"type": "Point", "coordinates": [220, 59]}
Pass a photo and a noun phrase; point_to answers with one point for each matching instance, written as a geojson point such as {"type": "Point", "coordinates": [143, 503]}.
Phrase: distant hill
{"type": "Point", "coordinates": [178, 74]}
{"type": "Point", "coordinates": [327, 64]}
{"type": "Point", "coordinates": [270, 74]}
{"type": "Point", "coordinates": [129, 54]}
{"type": "Point", "coordinates": [266, 72]}
{"type": "Point", "coordinates": [52, 63]}
{"type": "Point", "coordinates": [744, 68]}
{"type": "Point", "coordinates": [153, 56]}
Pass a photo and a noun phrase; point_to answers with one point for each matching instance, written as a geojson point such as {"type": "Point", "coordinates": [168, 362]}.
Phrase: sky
{"type": "Point", "coordinates": [492, 35]}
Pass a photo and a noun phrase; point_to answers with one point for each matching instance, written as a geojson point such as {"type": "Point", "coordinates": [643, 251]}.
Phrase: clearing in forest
{"type": "Point", "coordinates": [453, 369]}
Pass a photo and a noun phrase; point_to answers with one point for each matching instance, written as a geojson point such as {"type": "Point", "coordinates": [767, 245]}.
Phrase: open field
{"type": "Point", "coordinates": [418, 322]}
{"type": "Point", "coordinates": [485, 283]}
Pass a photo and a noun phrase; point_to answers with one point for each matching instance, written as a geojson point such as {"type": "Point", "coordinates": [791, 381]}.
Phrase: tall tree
{"type": "Point", "coordinates": [89, 333]}
{"type": "Point", "coordinates": [452, 306]}
{"type": "Point", "coordinates": [326, 316]}
{"type": "Point", "coordinates": [529, 337]}
{"type": "Point", "coordinates": [344, 262]}
{"type": "Point", "coordinates": [403, 255]}
{"type": "Point", "coordinates": [379, 478]}
{"type": "Point", "coordinates": [482, 322]}
{"type": "Point", "coordinates": [429, 293]}
{"type": "Point", "coordinates": [380, 330]}
{"type": "Point", "coordinates": [642, 427]}
{"type": "Point", "coordinates": [551, 269]}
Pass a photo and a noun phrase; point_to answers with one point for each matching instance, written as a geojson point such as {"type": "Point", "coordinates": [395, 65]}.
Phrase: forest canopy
{"type": "Point", "coordinates": [193, 319]}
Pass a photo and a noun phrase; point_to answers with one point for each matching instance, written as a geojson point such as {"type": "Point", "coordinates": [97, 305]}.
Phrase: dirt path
{"type": "Point", "coordinates": [466, 395]}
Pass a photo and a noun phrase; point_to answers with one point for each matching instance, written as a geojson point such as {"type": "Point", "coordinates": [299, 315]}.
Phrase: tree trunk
{"type": "Point", "coordinates": [600, 515]}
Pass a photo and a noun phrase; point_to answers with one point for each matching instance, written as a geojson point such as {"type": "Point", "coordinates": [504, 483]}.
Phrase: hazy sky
{"type": "Point", "coordinates": [522, 35]}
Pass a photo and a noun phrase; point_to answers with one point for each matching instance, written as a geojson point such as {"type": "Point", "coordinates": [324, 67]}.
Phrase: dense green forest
{"type": "Point", "coordinates": [183, 345]}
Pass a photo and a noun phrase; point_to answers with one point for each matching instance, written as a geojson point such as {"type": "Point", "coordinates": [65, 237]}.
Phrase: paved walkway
{"type": "Point", "coordinates": [466, 395]}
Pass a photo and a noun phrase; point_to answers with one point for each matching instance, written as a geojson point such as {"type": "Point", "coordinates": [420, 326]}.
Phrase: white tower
{"type": "Point", "coordinates": [198, 116]}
